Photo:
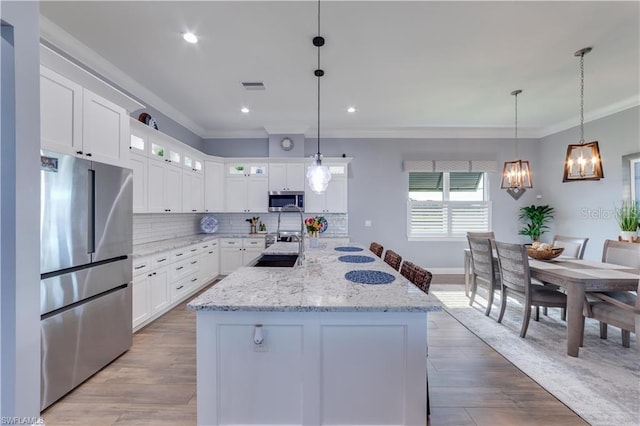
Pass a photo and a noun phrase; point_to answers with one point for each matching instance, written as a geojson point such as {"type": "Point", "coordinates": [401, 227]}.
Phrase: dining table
{"type": "Point", "coordinates": [576, 277]}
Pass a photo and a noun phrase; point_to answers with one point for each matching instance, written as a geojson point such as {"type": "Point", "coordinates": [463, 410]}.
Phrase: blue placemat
{"type": "Point", "coordinates": [369, 277]}
{"type": "Point", "coordinates": [348, 248]}
{"type": "Point", "coordinates": [356, 259]}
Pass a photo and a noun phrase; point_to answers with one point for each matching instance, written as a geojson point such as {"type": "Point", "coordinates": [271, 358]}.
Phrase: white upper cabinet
{"type": "Point", "coordinates": [105, 130]}
{"type": "Point", "coordinates": [60, 113]}
{"type": "Point", "coordinates": [246, 187]}
{"type": "Point", "coordinates": [213, 186]}
{"type": "Point", "coordinates": [286, 176]}
{"type": "Point", "coordinates": [78, 122]}
{"type": "Point", "coordinates": [335, 198]}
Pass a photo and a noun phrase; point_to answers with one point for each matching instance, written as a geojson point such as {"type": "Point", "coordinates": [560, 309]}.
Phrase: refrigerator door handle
{"type": "Point", "coordinates": [91, 231]}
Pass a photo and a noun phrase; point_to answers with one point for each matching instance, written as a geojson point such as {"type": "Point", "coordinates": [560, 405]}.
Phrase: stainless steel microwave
{"type": "Point", "coordinates": [279, 199]}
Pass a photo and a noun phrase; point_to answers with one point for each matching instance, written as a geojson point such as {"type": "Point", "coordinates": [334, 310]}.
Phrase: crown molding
{"type": "Point", "coordinates": [622, 105]}
{"type": "Point", "coordinates": [85, 57]}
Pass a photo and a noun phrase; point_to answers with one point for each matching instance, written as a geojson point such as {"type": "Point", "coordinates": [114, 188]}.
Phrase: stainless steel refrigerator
{"type": "Point", "coordinates": [86, 218]}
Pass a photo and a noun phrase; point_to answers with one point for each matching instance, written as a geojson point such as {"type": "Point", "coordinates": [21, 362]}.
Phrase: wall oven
{"type": "Point", "coordinates": [279, 199]}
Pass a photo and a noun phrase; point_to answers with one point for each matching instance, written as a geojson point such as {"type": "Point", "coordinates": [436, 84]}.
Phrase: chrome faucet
{"type": "Point", "coordinates": [300, 237]}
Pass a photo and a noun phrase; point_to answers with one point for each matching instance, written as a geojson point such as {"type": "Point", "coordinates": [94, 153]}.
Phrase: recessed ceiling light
{"type": "Point", "coordinates": [244, 110]}
{"type": "Point", "coordinates": [351, 109]}
{"type": "Point", "coordinates": [190, 37]}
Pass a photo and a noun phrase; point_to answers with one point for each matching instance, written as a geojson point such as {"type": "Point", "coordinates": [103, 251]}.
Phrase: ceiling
{"type": "Point", "coordinates": [411, 69]}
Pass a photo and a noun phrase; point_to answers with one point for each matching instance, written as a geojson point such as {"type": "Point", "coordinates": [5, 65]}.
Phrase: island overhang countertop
{"type": "Point", "coordinates": [318, 285]}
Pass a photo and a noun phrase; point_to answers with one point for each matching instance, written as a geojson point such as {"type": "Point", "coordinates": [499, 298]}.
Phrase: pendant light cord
{"type": "Point", "coordinates": [319, 75]}
{"type": "Point", "coordinates": [582, 98]}
{"type": "Point", "coordinates": [516, 125]}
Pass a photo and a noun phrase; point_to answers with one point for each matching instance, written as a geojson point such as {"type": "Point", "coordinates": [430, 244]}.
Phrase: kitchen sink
{"type": "Point", "coordinates": [277, 260]}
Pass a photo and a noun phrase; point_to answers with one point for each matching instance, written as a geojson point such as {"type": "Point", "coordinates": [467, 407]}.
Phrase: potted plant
{"type": "Point", "coordinates": [535, 220]}
{"type": "Point", "coordinates": [627, 217]}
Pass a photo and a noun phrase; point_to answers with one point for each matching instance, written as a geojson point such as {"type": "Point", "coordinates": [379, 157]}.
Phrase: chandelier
{"type": "Point", "coordinates": [583, 160]}
{"type": "Point", "coordinates": [516, 174]}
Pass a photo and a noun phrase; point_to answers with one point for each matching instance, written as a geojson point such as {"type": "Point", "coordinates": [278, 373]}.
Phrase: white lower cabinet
{"type": "Point", "coordinates": [163, 280]}
{"type": "Point", "coordinates": [237, 252]}
{"type": "Point", "coordinates": [209, 261]}
{"type": "Point", "coordinates": [159, 290]}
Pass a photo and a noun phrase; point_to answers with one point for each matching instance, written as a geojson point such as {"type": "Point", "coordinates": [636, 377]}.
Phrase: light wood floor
{"type": "Point", "coordinates": [154, 383]}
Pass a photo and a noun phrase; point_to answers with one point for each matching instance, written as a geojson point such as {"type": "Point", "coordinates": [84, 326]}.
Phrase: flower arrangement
{"type": "Point", "coordinates": [313, 224]}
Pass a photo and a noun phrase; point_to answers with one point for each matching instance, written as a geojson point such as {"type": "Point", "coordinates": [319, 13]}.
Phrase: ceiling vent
{"type": "Point", "coordinates": [253, 85]}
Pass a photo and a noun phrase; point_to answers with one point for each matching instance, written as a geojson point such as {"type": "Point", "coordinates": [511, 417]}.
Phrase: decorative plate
{"type": "Point", "coordinates": [347, 248]}
{"type": "Point", "coordinates": [369, 277]}
{"type": "Point", "coordinates": [356, 259]}
{"type": "Point", "coordinates": [147, 119]}
{"type": "Point", "coordinates": [209, 224]}
{"type": "Point", "coordinates": [323, 225]}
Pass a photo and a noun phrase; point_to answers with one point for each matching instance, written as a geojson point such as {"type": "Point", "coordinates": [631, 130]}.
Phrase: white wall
{"type": "Point", "coordinates": [20, 192]}
{"type": "Point", "coordinates": [586, 208]}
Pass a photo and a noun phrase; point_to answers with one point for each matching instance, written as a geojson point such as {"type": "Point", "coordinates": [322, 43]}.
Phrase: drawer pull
{"type": "Point", "coordinates": [179, 288]}
{"type": "Point", "coordinates": [230, 242]}
{"type": "Point", "coordinates": [179, 254]}
{"type": "Point", "coordinates": [210, 252]}
{"type": "Point", "coordinates": [161, 260]}
{"type": "Point", "coordinates": [140, 267]}
{"type": "Point", "coordinates": [195, 249]}
{"type": "Point", "coordinates": [194, 262]}
{"type": "Point", "coordinates": [179, 267]}
{"type": "Point", "coordinates": [194, 280]}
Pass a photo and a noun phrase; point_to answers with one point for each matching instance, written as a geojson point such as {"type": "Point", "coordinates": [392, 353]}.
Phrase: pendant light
{"type": "Point", "coordinates": [583, 160]}
{"type": "Point", "coordinates": [516, 175]}
{"type": "Point", "coordinates": [318, 175]}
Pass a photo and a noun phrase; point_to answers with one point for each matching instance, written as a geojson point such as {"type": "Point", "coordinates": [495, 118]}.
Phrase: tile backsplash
{"type": "Point", "coordinates": [151, 227]}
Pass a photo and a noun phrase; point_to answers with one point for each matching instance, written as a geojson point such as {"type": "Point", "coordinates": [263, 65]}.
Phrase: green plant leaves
{"type": "Point", "coordinates": [535, 220]}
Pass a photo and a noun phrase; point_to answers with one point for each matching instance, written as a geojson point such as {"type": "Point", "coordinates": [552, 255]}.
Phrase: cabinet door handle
{"type": "Point", "coordinates": [193, 210]}
{"type": "Point", "coordinates": [210, 252]}
{"type": "Point", "coordinates": [194, 280]}
{"type": "Point", "coordinates": [88, 154]}
{"type": "Point", "coordinates": [195, 249]}
{"type": "Point", "coordinates": [140, 267]}
{"type": "Point", "coordinates": [161, 260]}
{"type": "Point", "coordinates": [194, 262]}
{"type": "Point", "coordinates": [179, 268]}
{"type": "Point", "coordinates": [178, 288]}
{"type": "Point", "coordinates": [179, 254]}
{"type": "Point", "coordinates": [150, 275]}
{"type": "Point", "coordinates": [79, 152]}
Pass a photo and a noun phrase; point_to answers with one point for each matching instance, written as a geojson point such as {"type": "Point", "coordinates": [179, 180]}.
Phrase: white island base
{"type": "Point", "coordinates": [313, 368]}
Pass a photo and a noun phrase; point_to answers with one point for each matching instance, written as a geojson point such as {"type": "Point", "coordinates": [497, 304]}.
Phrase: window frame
{"type": "Point", "coordinates": [446, 202]}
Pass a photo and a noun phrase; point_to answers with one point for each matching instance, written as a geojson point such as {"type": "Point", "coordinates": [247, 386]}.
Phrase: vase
{"type": "Point", "coordinates": [313, 240]}
{"type": "Point", "coordinates": [628, 236]}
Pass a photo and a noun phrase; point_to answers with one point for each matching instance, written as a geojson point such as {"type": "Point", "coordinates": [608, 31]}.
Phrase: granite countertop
{"type": "Point", "coordinates": [319, 284]}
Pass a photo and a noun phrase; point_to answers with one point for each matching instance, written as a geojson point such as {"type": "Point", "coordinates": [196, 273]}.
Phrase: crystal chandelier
{"type": "Point", "coordinates": [516, 174]}
{"type": "Point", "coordinates": [318, 175]}
{"type": "Point", "coordinates": [583, 160]}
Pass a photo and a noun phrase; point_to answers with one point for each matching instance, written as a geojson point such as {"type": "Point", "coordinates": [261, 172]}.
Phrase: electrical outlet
{"type": "Point", "coordinates": [260, 347]}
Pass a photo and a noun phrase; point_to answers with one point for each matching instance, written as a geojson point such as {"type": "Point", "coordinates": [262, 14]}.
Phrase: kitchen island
{"type": "Point", "coordinates": [305, 345]}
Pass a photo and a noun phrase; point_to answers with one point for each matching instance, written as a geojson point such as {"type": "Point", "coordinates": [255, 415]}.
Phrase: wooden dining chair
{"type": "Point", "coordinates": [376, 248]}
{"type": "Point", "coordinates": [406, 270]}
{"type": "Point", "coordinates": [573, 246]}
{"type": "Point", "coordinates": [616, 307]}
{"type": "Point", "coordinates": [421, 278]}
{"type": "Point", "coordinates": [515, 279]}
{"type": "Point", "coordinates": [484, 271]}
{"type": "Point", "coordinates": [393, 259]}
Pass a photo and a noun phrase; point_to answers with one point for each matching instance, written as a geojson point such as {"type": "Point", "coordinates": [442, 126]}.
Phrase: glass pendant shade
{"type": "Point", "coordinates": [318, 175]}
{"type": "Point", "coordinates": [516, 174]}
{"type": "Point", "coordinates": [583, 162]}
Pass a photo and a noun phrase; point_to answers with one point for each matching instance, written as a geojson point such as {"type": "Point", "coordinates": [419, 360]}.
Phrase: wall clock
{"type": "Point", "coordinates": [286, 144]}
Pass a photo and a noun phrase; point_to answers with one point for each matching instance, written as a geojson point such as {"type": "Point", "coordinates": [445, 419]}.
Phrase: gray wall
{"type": "Point", "coordinates": [169, 127]}
{"type": "Point", "coordinates": [19, 201]}
{"type": "Point", "coordinates": [236, 147]}
{"type": "Point", "coordinates": [586, 208]}
{"type": "Point", "coordinates": [378, 187]}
